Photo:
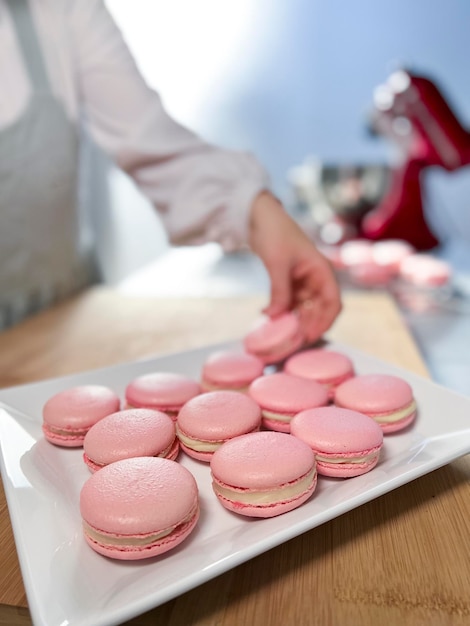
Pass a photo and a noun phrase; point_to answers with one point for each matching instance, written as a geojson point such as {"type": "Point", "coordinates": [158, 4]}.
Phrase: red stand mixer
{"type": "Point", "coordinates": [411, 111]}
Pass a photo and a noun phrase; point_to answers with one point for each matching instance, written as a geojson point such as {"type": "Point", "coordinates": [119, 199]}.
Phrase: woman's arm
{"type": "Point", "coordinates": [203, 193]}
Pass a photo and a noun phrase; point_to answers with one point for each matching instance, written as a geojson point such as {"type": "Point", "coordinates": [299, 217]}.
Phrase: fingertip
{"type": "Point", "coordinates": [275, 309]}
{"type": "Point", "coordinates": [280, 299]}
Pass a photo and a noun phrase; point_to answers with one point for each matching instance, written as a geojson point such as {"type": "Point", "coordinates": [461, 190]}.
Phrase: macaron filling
{"type": "Point", "coordinates": [104, 538]}
{"type": "Point", "coordinates": [395, 416]}
{"type": "Point", "coordinates": [267, 497]}
{"type": "Point", "coordinates": [65, 432]}
{"type": "Point", "coordinates": [201, 445]}
{"type": "Point", "coordinates": [277, 417]}
{"type": "Point", "coordinates": [365, 458]}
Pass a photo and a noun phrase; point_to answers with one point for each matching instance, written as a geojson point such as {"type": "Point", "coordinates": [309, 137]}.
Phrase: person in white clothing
{"type": "Point", "coordinates": [64, 65]}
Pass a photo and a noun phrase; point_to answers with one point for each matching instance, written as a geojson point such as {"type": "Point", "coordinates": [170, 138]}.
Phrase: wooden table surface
{"type": "Point", "coordinates": [403, 558]}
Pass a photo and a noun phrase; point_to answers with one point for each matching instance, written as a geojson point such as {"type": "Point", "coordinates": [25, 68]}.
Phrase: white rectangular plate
{"type": "Point", "coordinates": [67, 583]}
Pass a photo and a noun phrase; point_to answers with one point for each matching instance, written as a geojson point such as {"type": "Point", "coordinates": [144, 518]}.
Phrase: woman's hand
{"type": "Point", "coordinates": [301, 277]}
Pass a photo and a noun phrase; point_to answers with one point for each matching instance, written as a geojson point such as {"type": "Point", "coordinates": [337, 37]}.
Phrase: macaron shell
{"type": "Point", "coordinates": [287, 394]}
{"type": "Point", "coordinates": [374, 394]}
{"type": "Point", "coordinates": [130, 433]}
{"type": "Point", "coordinates": [80, 407]}
{"type": "Point", "coordinates": [219, 415]}
{"type": "Point", "coordinates": [161, 390]}
{"type": "Point", "coordinates": [282, 352]}
{"type": "Point", "coordinates": [172, 455]}
{"type": "Point", "coordinates": [138, 496]}
{"type": "Point", "coordinates": [274, 339]}
{"type": "Point", "coordinates": [323, 366]}
{"type": "Point", "coordinates": [236, 369]}
{"type": "Point", "coordinates": [262, 460]}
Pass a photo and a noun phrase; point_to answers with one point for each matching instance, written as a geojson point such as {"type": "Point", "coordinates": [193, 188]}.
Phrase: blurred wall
{"type": "Point", "coordinates": [290, 78]}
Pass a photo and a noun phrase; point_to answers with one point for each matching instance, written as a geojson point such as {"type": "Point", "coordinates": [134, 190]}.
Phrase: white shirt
{"type": "Point", "coordinates": [201, 192]}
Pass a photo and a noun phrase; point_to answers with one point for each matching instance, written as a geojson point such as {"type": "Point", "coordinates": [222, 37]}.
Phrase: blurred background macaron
{"type": "Point", "coordinates": [390, 253]}
{"type": "Point", "coordinates": [355, 252]}
{"type": "Point", "coordinates": [370, 275]}
{"type": "Point", "coordinates": [425, 270]}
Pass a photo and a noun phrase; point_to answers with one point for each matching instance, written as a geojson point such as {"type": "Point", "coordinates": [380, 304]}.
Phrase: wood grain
{"type": "Point", "coordinates": [401, 559]}
{"type": "Point", "coordinates": [102, 327]}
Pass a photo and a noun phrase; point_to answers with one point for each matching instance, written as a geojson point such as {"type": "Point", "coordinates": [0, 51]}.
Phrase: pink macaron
{"type": "Point", "coordinates": [387, 399]}
{"type": "Point", "coordinates": [346, 443]}
{"type": "Point", "coordinates": [139, 508]}
{"type": "Point", "coordinates": [274, 339]}
{"type": "Point", "coordinates": [390, 253]}
{"type": "Point", "coordinates": [370, 275]}
{"type": "Point", "coordinates": [130, 433]}
{"type": "Point", "coordinates": [424, 270]}
{"type": "Point", "coordinates": [356, 252]}
{"type": "Point", "coordinates": [281, 396]}
{"type": "Point", "coordinates": [69, 414]}
{"type": "Point", "coordinates": [163, 391]}
{"type": "Point", "coordinates": [263, 474]}
{"type": "Point", "coordinates": [327, 367]}
{"type": "Point", "coordinates": [230, 369]}
{"type": "Point", "coordinates": [208, 420]}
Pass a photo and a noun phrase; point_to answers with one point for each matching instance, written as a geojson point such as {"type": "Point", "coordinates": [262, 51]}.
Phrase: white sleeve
{"type": "Point", "coordinates": [202, 193]}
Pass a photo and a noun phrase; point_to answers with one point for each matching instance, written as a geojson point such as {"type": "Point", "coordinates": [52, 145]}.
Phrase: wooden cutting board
{"type": "Point", "coordinates": [102, 327]}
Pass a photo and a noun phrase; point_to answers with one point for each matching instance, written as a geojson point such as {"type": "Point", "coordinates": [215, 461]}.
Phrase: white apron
{"type": "Point", "coordinates": [41, 256]}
